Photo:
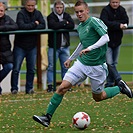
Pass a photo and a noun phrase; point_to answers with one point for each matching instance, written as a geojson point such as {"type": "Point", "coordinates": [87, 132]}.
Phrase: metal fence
{"type": "Point", "coordinates": [46, 31]}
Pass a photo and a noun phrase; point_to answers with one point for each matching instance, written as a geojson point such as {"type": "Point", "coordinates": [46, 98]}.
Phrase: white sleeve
{"type": "Point", "coordinates": [76, 52]}
{"type": "Point", "coordinates": [103, 40]}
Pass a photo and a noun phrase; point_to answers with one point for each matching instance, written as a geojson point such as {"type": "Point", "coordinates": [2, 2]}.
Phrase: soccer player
{"type": "Point", "coordinates": [91, 56]}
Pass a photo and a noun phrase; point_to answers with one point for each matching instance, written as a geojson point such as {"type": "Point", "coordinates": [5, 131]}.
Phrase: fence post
{"type": "Point", "coordinates": [39, 71]}
{"type": "Point", "coordinates": [54, 83]}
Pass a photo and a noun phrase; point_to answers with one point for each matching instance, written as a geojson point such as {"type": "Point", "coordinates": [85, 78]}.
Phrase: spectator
{"type": "Point", "coordinates": [116, 19]}
{"type": "Point", "coordinates": [25, 45]}
{"type": "Point", "coordinates": [91, 57]}
{"type": "Point", "coordinates": [6, 56]}
{"type": "Point", "coordinates": [58, 19]}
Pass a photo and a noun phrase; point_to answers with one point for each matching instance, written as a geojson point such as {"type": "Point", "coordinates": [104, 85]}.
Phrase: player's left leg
{"type": "Point", "coordinates": [108, 92]}
{"type": "Point", "coordinates": [97, 82]}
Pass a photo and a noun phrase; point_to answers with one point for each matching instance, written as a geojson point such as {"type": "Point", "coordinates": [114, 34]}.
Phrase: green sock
{"type": "Point", "coordinates": [54, 103]}
{"type": "Point", "coordinates": [112, 91]}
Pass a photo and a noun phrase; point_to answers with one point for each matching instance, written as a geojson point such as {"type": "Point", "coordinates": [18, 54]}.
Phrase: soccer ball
{"type": "Point", "coordinates": [81, 120]}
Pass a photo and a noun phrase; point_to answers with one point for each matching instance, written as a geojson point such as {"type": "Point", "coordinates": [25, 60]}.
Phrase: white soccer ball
{"type": "Point", "coordinates": [81, 120]}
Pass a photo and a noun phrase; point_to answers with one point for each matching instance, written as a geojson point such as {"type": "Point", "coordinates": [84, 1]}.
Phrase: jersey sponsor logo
{"type": "Point", "coordinates": [87, 29]}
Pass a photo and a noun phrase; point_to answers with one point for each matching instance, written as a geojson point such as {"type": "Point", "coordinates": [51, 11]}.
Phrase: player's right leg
{"type": "Point", "coordinates": [72, 77]}
{"type": "Point", "coordinates": [53, 104]}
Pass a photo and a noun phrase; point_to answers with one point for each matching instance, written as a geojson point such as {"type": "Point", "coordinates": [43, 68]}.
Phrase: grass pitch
{"type": "Point", "coordinates": [110, 116]}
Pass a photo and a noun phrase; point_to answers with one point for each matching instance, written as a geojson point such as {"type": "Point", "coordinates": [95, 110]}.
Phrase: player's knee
{"type": "Point", "coordinates": [98, 97]}
{"type": "Point", "coordinates": [61, 90]}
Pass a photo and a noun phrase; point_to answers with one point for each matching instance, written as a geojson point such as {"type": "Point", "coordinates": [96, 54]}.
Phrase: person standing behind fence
{"type": "Point", "coordinates": [25, 45]}
{"type": "Point", "coordinates": [58, 19]}
{"type": "Point", "coordinates": [6, 56]}
{"type": "Point", "coordinates": [116, 19]}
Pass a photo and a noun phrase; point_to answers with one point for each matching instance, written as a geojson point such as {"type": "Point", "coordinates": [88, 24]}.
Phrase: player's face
{"type": "Point", "coordinates": [30, 6]}
{"type": "Point", "coordinates": [2, 11]}
{"type": "Point", "coordinates": [82, 13]}
{"type": "Point", "coordinates": [59, 8]}
{"type": "Point", "coordinates": [114, 3]}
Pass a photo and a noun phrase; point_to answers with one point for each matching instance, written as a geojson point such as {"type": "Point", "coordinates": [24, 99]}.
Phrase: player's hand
{"type": "Point", "coordinates": [85, 51]}
{"type": "Point", "coordinates": [67, 63]}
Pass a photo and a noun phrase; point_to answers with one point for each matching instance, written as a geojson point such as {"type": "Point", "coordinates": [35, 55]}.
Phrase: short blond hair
{"type": "Point", "coordinates": [81, 2]}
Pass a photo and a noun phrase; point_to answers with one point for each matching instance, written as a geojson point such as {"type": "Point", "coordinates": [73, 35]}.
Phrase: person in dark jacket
{"type": "Point", "coordinates": [58, 19]}
{"type": "Point", "coordinates": [25, 45]}
{"type": "Point", "coordinates": [116, 19]}
{"type": "Point", "coordinates": [6, 56]}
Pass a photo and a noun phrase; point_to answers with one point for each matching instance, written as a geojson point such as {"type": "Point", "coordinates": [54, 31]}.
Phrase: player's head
{"type": "Point", "coordinates": [114, 3]}
{"type": "Point", "coordinates": [2, 9]}
{"type": "Point", "coordinates": [82, 10]}
{"type": "Point", "coordinates": [30, 5]}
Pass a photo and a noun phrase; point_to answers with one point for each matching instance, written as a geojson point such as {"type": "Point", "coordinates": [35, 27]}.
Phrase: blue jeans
{"type": "Point", "coordinates": [63, 54]}
{"type": "Point", "coordinates": [4, 72]}
{"type": "Point", "coordinates": [19, 55]}
{"type": "Point", "coordinates": [112, 60]}
{"type": "Point", "coordinates": [6, 69]}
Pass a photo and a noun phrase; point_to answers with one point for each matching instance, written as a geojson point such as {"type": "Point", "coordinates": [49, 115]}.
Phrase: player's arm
{"type": "Point", "coordinates": [76, 52]}
{"type": "Point", "coordinates": [102, 41]}
{"type": "Point", "coordinates": [73, 56]}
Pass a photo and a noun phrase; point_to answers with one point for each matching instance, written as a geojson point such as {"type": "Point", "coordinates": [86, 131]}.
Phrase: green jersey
{"type": "Point", "coordinates": [90, 32]}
